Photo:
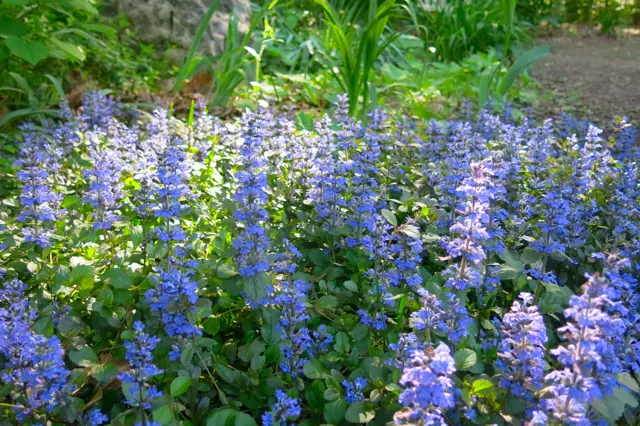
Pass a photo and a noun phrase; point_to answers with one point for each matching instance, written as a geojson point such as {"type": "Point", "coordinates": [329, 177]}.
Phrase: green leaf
{"type": "Point", "coordinates": [481, 386]}
{"type": "Point", "coordinates": [521, 64]}
{"type": "Point", "coordinates": [270, 330]}
{"type": "Point", "coordinates": [31, 51]}
{"type": "Point", "coordinates": [626, 379]}
{"type": "Point", "coordinates": [465, 359]}
{"type": "Point", "coordinates": [508, 272]}
{"type": "Point", "coordinates": [82, 5]}
{"type": "Point", "coordinates": [85, 357]}
{"type": "Point", "coordinates": [530, 256]}
{"type": "Point", "coordinates": [327, 302]}
{"type": "Point", "coordinates": [163, 415]}
{"type": "Point", "coordinates": [117, 278]}
{"type": "Point", "coordinates": [512, 260]}
{"type": "Point", "coordinates": [179, 385]}
{"type": "Point", "coordinates": [315, 369]}
{"type": "Point", "coordinates": [246, 352]}
{"type": "Point", "coordinates": [256, 286]}
{"type": "Point", "coordinates": [389, 216]}
{"type": "Point", "coordinates": [226, 270]}
{"type": "Point", "coordinates": [304, 122]}
{"type": "Point", "coordinates": [82, 276]}
{"type": "Point", "coordinates": [331, 394]}
{"type": "Point", "coordinates": [220, 418]}
{"type": "Point", "coordinates": [203, 27]}
{"type": "Point", "coordinates": [44, 326]}
{"type": "Point", "coordinates": [258, 362]}
{"type": "Point", "coordinates": [314, 394]}
{"type": "Point", "coordinates": [319, 258]}
{"type": "Point", "coordinates": [515, 405]}
{"type": "Point", "coordinates": [24, 112]}
{"type": "Point", "coordinates": [334, 411]}
{"type": "Point", "coordinates": [68, 50]}
{"type": "Point", "coordinates": [110, 32]}
{"type": "Point", "coordinates": [341, 344]}
{"type": "Point", "coordinates": [358, 413]}
{"type": "Point", "coordinates": [11, 27]}
{"type": "Point", "coordinates": [243, 419]}
{"type": "Point", "coordinates": [625, 396]}
{"type": "Point", "coordinates": [609, 407]}
{"type": "Point", "coordinates": [351, 286]}
{"type": "Point", "coordinates": [211, 326]}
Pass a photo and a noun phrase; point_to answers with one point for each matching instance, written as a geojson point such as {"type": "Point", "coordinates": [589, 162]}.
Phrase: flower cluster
{"type": "Point", "coordinates": [174, 297]}
{"type": "Point", "coordinates": [105, 189]}
{"type": "Point", "coordinates": [252, 243]}
{"type": "Point", "coordinates": [141, 369]}
{"type": "Point", "coordinates": [428, 387]}
{"type": "Point", "coordinates": [354, 389]}
{"type": "Point", "coordinates": [39, 158]}
{"type": "Point", "coordinates": [358, 265]}
{"type": "Point", "coordinates": [34, 364]}
{"type": "Point", "coordinates": [589, 359]}
{"type": "Point", "coordinates": [471, 226]}
{"type": "Point", "coordinates": [521, 350]}
{"type": "Point", "coordinates": [283, 410]}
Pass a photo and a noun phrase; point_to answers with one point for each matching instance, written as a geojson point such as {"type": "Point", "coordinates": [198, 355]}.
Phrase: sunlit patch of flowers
{"type": "Point", "coordinates": [289, 270]}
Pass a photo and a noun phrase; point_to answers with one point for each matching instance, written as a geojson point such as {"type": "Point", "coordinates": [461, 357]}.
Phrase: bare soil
{"type": "Point", "coordinates": [590, 76]}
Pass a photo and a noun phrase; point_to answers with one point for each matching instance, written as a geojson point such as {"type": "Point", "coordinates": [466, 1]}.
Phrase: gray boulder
{"type": "Point", "coordinates": [176, 21]}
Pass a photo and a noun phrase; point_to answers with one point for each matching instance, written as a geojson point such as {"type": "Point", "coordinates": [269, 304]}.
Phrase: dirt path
{"type": "Point", "coordinates": [591, 77]}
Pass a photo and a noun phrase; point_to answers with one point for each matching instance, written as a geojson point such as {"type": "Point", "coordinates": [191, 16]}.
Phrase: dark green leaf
{"type": "Point", "coordinates": [358, 413]}
{"type": "Point", "coordinates": [117, 278]}
{"type": "Point", "coordinates": [315, 369]}
{"type": "Point", "coordinates": [179, 385]}
{"type": "Point", "coordinates": [226, 270]}
{"type": "Point", "coordinates": [334, 411]}
{"type": "Point", "coordinates": [465, 359]}
{"type": "Point", "coordinates": [389, 216]}
{"type": "Point", "coordinates": [327, 302]}
{"type": "Point", "coordinates": [211, 326]}
{"type": "Point", "coordinates": [11, 27]}
{"type": "Point", "coordinates": [31, 51]}
{"type": "Point", "coordinates": [256, 286]}
{"type": "Point", "coordinates": [85, 357]}
{"type": "Point", "coordinates": [314, 394]}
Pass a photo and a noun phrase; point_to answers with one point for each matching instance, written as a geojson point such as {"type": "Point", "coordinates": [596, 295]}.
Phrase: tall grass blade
{"type": "Point", "coordinates": [524, 61]}
{"type": "Point", "coordinates": [202, 28]}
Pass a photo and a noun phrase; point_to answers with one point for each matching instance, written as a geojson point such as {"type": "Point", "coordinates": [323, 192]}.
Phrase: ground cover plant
{"type": "Point", "coordinates": [277, 270]}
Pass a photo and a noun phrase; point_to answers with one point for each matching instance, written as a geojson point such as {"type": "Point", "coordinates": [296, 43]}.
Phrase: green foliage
{"type": "Point", "coordinates": [229, 68]}
{"type": "Point", "coordinates": [358, 48]}
{"type": "Point", "coordinates": [124, 63]}
{"type": "Point", "coordinates": [456, 29]}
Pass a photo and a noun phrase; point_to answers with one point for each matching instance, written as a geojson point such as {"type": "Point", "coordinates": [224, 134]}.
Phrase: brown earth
{"type": "Point", "coordinates": [590, 76]}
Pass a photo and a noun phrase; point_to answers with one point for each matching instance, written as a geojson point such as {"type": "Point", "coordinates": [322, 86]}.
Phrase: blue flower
{"type": "Point", "coordinates": [521, 350]}
{"type": "Point", "coordinates": [588, 359]}
{"type": "Point", "coordinates": [33, 363]}
{"type": "Point", "coordinates": [252, 243]}
{"type": "Point", "coordinates": [141, 369]}
{"type": "Point", "coordinates": [94, 418]}
{"type": "Point", "coordinates": [105, 189]}
{"type": "Point", "coordinates": [428, 388]}
{"type": "Point", "coordinates": [282, 411]}
{"type": "Point", "coordinates": [354, 390]}
{"type": "Point", "coordinates": [41, 204]}
{"type": "Point", "coordinates": [174, 298]}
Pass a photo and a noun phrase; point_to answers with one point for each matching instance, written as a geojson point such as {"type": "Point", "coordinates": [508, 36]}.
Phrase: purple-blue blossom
{"type": "Point", "coordinates": [283, 412]}
{"type": "Point", "coordinates": [428, 389]}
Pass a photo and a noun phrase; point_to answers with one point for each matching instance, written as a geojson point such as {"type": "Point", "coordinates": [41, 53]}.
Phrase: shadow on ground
{"type": "Point", "coordinates": [590, 76]}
